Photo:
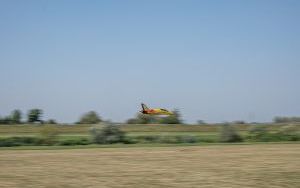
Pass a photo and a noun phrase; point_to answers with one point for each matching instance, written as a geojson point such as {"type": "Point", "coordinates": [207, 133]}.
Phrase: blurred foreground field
{"type": "Point", "coordinates": [258, 165]}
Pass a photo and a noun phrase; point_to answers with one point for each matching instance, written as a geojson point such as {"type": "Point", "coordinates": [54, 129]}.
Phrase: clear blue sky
{"type": "Point", "coordinates": [212, 60]}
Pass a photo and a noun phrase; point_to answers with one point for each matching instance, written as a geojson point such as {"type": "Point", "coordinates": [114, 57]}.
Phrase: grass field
{"type": "Point", "coordinates": [148, 128]}
{"type": "Point", "coordinates": [258, 165]}
{"type": "Point", "coordinates": [150, 133]}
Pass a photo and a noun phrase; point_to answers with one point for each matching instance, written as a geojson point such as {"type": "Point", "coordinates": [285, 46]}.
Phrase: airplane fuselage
{"type": "Point", "coordinates": [157, 111]}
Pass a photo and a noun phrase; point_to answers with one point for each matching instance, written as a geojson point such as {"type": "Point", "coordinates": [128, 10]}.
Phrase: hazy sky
{"type": "Point", "coordinates": [213, 60]}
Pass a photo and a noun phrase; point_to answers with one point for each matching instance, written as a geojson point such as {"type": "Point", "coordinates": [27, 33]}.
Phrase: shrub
{"type": "Point", "coordinates": [109, 134]}
{"type": "Point", "coordinates": [20, 141]}
{"type": "Point", "coordinates": [229, 134]}
{"type": "Point", "coordinates": [167, 139]}
{"type": "Point", "coordinates": [38, 141]}
{"type": "Point", "coordinates": [259, 133]}
{"type": "Point", "coordinates": [81, 141]}
{"type": "Point", "coordinates": [289, 133]}
{"type": "Point", "coordinates": [8, 142]}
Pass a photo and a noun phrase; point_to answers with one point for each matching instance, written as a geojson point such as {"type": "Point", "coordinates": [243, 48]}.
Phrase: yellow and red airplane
{"type": "Point", "coordinates": [155, 111]}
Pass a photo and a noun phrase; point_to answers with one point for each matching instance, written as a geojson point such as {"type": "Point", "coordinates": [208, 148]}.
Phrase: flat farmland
{"type": "Point", "coordinates": [142, 128]}
{"type": "Point", "coordinates": [257, 165]}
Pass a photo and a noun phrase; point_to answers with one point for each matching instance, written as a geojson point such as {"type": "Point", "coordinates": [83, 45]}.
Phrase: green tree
{"type": "Point", "coordinates": [90, 118]}
{"type": "Point", "coordinates": [16, 116]}
{"type": "Point", "coordinates": [34, 115]}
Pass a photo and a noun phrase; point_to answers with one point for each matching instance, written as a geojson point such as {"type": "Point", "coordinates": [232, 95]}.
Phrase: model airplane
{"type": "Point", "coordinates": [155, 111]}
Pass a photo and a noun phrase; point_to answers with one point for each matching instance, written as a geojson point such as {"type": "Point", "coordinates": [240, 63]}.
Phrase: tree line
{"type": "Point", "coordinates": [15, 117]}
{"type": "Point", "coordinates": [91, 117]}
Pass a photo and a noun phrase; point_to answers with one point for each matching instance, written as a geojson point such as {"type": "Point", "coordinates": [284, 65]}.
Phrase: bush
{"type": "Point", "coordinates": [259, 133]}
{"type": "Point", "coordinates": [82, 141]}
{"type": "Point", "coordinates": [166, 139]}
{"type": "Point", "coordinates": [289, 133]}
{"type": "Point", "coordinates": [229, 134]}
{"type": "Point", "coordinates": [38, 141]}
{"type": "Point", "coordinates": [109, 134]}
{"type": "Point", "coordinates": [20, 141]}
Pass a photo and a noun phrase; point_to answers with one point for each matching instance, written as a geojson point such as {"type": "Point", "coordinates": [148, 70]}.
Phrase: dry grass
{"type": "Point", "coordinates": [265, 165]}
{"type": "Point", "coordinates": [84, 129]}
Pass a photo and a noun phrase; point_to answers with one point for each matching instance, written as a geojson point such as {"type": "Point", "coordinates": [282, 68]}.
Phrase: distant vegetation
{"type": "Point", "coordinates": [286, 119]}
{"type": "Point", "coordinates": [145, 129]}
{"type": "Point", "coordinates": [39, 135]}
{"type": "Point", "coordinates": [90, 118]}
{"type": "Point", "coordinates": [14, 118]}
{"type": "Point", "coordinates": [34, 116]}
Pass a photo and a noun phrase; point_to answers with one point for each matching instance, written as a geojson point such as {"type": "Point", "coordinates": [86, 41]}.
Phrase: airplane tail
{"type": "Point", "coordinates": [144, 107]}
